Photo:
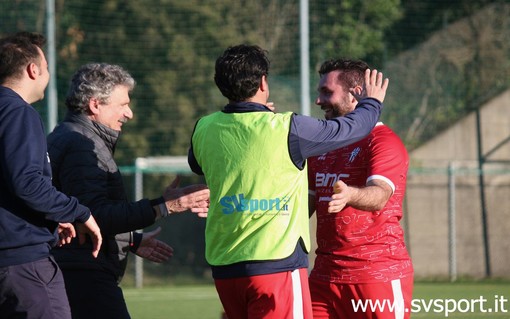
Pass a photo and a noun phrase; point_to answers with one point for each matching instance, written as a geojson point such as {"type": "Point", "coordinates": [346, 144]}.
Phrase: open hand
{"type": "Point", "coordinates": [153, 249]}
{"type": "Point", "coordinates": [193, 197]}
{"type": "Point", "coordinates": [374, 87]}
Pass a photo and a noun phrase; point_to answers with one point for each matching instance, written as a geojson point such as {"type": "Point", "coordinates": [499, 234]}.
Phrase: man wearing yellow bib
{"type": "Point", "coordinates": [254, 160]}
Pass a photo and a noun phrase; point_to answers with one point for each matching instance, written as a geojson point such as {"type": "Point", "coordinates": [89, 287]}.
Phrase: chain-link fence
{"type": "Point", "coordinates": [449, 69]}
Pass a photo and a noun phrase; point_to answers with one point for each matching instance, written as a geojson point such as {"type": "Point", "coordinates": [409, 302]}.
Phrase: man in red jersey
{"type": "Point", "coordinates": [362, 268]}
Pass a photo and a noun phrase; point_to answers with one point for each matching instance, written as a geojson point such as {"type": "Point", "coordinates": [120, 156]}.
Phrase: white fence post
{"type": "Point", "coordinates": [452, 232]}
{"type": "Point", "coordinates": [139, 166]}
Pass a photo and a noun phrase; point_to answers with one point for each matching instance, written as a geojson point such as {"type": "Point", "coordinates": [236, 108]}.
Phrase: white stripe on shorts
{"type": "Point", "coordinates": [398, 298]}
{"type": "Point", "coordinates": [298, 297]}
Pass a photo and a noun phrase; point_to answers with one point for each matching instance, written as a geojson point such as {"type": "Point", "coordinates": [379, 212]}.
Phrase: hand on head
{"type": "Point", "coordinates": [374, 87]}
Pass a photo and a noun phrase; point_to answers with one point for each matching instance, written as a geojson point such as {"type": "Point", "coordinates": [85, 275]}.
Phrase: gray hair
{"type": "Point", "coordinates": [95, 80]}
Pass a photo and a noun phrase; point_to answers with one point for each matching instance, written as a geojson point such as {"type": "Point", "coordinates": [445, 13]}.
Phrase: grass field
{"type": "Point", "coordinates": [432, 299]}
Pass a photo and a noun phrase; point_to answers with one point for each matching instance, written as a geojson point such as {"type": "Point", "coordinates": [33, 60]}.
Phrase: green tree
{"type": "Point", "coordinates": [452, 73]}
{"type": "Point", "coordinates": [351, 28]}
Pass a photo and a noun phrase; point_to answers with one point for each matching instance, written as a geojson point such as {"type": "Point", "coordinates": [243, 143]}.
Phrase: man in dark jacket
{"type": "Point", "coordinates": [81, 149]}
{"type": "Point", "coordinates": [32, 212]}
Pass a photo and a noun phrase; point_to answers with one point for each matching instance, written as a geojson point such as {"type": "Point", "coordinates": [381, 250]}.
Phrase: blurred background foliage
{"type": "Point", "coordinates": [443, 58]}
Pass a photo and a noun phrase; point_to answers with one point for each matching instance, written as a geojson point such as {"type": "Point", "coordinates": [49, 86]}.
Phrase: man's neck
{"type": "Point", "coordinates": [17, 87]}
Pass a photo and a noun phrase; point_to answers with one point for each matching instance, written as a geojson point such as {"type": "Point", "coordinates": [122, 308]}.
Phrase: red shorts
{"type": "Point", "coordinates": [282, 295]}
{"type": "Point", "coordinates": [387, 300]}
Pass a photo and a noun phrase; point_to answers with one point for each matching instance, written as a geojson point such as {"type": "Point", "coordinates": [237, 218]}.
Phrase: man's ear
{"type": "Point", "coordinates": [263, 84]}
{"type": "Point", "coordinates": [357, 90]}
{"type": "Point", "coordinates": [32, 70]}
{"type": "Point", "coordinates": [94, 106]}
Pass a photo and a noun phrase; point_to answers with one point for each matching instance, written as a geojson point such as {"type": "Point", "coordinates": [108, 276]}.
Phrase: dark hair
{"type": "Point", "coordinates": [95, 80]}
{"type": "Point", "coordinates": [352, 72]}
{"type": "Point", "coordinates": [239, 70]}
{"type": "Point", "coordinates": [17, 51]}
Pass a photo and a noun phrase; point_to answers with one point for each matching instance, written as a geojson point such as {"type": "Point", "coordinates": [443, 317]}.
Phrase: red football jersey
{"type": "Point", "coordinates": [355, 246]}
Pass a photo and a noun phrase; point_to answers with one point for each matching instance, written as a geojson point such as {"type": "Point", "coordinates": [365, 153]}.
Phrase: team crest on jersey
{"type": "Point", "coordinates": [354, 153]}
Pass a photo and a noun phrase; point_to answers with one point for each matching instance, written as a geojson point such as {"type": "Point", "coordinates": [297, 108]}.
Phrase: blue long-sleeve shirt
{"type": "Point", "coordinates": [30, 207]}
{"type": "Point", "coordinates": [308, 137]}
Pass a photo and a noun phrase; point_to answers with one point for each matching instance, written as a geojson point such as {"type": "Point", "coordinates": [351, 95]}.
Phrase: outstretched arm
{"type": "Point", "coordinates": [177, 200]}
{"type": "Point", "coordinates": [311, 137]}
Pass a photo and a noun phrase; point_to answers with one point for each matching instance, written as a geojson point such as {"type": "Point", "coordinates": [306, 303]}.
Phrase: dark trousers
{"type": "Point", "coordinates": [33, 290]}
{"type": "Point", "coordinates": [94, 294]}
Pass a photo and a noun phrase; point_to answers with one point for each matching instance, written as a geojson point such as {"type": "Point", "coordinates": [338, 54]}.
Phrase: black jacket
{"type": "Point", "coordinates": [81, 153]}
